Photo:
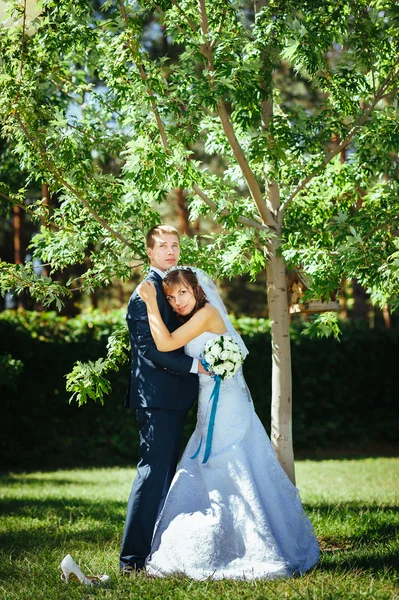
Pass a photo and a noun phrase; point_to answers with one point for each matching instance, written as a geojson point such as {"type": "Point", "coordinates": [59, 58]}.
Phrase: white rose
{"type": "Point", "coordinates": [219, 369]}
{"type": "Point", "coordinates": [229, 366]}
{"type": "Point", "coordinates": [215, 350]}
{"type": "Point", "coordinates": [228, 344]}
{"type": "Point", "coordinates": [210, 359]}
{"type": "Point", "coordinates": [225, 354]}
{"type": "Point", "coordinates": [235, 357]}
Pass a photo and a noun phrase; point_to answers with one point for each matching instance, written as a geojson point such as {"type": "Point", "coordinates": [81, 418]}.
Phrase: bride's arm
{"type": "Point", "coordinates": [164, 340]}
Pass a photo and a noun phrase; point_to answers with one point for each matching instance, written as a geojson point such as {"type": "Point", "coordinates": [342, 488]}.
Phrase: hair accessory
{"type": "Point", "coordinates": [179, 268]}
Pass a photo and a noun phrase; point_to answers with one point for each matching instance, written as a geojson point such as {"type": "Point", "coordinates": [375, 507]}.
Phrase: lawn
{"type": "Point", "coordinates": [353, 505]}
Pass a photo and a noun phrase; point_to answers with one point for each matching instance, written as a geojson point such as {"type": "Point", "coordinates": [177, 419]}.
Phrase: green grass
{"type": "Point", "coordinates": [353, 505]}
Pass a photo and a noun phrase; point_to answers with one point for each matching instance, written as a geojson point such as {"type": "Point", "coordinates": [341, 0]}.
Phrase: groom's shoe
{"type": "Point", "coordinates": [132, 569]}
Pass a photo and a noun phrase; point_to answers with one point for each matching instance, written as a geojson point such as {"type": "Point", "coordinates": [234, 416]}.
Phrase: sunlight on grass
{"type": "Point", "coordinates": [352, 503]}
{"type": "Point", "coordinates": [367, 479]}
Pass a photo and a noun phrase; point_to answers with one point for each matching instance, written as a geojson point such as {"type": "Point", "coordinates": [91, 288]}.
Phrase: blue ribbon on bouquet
{"type": "Point", "coordinates": [214, 398]}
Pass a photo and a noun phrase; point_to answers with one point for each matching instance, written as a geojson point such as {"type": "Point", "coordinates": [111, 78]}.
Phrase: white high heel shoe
{"type": "Point", "coordinates": [69, 567]}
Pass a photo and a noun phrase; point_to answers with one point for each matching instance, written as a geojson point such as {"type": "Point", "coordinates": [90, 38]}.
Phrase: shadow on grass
{"type": "Point", "coordinates": [376, 560]}
{"type": "Point", "coordinates": [372, 545]}
{"type": "Point", "coordinates": [370, 522]}
{"type": "Point", "coordinates": [359, 452]}
{"type": "Point", "coordinates": [65, 509]}
{"type": "Point", "coordinates": [43, 523]}
{"type": "Point", "coordinates": [11, 481]}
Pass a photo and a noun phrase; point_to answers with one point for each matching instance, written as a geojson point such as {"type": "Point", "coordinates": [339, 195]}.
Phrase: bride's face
{"type": "Point", "coordinates": [181, 298]}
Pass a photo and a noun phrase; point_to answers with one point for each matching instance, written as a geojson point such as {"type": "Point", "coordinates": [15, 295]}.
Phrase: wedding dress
{"type": "Point", "coordinates": [238, 515]}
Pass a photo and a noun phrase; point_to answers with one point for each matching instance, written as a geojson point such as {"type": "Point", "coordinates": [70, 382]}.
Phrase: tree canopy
{"type": "Point", "coordinates": [87, 90]}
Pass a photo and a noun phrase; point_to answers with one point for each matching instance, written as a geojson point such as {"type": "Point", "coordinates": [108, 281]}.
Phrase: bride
{"type": "Point", "coordinates": [234, 514]}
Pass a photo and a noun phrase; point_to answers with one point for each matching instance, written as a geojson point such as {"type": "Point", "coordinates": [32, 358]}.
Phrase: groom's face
{"type": "Point", "coordinates": [166, 251]}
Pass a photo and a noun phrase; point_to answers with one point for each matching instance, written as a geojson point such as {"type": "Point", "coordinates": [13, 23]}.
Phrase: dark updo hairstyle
{"type": "Point", "coordinates": [186, 277]}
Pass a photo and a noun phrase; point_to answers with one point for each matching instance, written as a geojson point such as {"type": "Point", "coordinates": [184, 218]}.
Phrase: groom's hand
{"type": "Point", "coordinates": [201, 369]}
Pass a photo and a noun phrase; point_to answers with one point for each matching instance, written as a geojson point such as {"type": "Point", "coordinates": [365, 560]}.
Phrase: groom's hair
{"type": "Point", "coordinates": [156, 230]}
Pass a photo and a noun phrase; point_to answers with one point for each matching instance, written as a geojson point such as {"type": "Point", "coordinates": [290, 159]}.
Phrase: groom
{"type": "Point", "coordinates": [162, 388]}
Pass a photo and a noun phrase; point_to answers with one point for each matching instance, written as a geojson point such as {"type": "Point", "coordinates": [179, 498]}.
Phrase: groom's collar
{"type": "Point", "coordinates": [158, 271]}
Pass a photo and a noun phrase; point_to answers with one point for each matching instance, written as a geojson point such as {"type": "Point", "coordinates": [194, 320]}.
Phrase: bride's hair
{"type": "Point", "coordinates": [187, 278]}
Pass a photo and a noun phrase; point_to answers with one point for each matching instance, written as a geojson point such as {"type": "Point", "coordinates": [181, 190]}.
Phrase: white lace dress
{"type": "Point", "coordinates": [237, 516]}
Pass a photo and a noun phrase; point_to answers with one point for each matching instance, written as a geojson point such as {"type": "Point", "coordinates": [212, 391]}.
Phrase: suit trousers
{"type": "Point", "coordinates": [161, 433]}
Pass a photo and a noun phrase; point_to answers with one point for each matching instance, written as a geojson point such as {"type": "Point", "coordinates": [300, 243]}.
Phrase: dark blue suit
{"type": "Point", "coordinates": [161, 389]}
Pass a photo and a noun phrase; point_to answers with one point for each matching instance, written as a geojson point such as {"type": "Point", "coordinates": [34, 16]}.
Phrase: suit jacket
{"type": "Point", "coordinates": [157, 379]}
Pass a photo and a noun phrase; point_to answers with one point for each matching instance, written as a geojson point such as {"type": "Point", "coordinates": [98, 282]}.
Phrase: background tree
{"type": "Point", "coordinates": [278, 189]}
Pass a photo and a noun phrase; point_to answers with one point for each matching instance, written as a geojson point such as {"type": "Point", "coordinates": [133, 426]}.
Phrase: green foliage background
{"type": "Point", "coordinates": [344, 392]}
{"type": "Point", "coordinates": [93, 107]}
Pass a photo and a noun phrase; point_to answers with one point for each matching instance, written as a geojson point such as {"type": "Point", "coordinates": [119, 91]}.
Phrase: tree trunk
{"type": "Point", "coordinates": [17, 234]}
{"type": "Point", "coordinates": [184, 226]}
{"type": "Point", "coordinates": [18, 227]}
{"type": "Point", "coordinates": [281, 426]}
{"type": "Point", "coordinates": [386, 316]}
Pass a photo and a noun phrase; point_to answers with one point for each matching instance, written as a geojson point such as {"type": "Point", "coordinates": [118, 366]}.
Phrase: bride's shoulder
{"type": "Point", "coordinates": [209, 309]}
{"type": "Point", "coordinates": [206, 312]}
{"type": "Point", "coordinates": [209, 313]}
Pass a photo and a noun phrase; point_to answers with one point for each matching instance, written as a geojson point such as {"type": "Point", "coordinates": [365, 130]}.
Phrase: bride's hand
{"type": "Point", "coordinates": [147, 292]}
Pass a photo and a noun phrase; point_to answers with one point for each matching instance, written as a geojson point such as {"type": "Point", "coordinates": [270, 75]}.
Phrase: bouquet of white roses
{"type": "Point", "coordinates": [222, 356]}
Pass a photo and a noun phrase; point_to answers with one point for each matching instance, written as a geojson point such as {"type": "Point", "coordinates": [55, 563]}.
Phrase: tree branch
{"type": "Point", "coordinates": [267, 102]}
{"type": "Point", "coordinates": [76, 101]}
{"type": "Point", "coordinates": [228, 129]}
{"type": "Point", "coordinates": [204, 17]}
{"type": "Point", "coordinates": [46, 224]}
{"type": "Point", "coordinates": [243, 220]}
{"type": "Point", "coordinates": [69, 187]}
{"type": "Point", "coordinates": [21, 65]}
{"type": "Point", "coordinates": [144, 77]}
{"type": "Point", "coordinates": [159, 9]}
{"type": "Point", "coordinates": [123, 10]}
{"type": "Point", "coordinates": [220, 28]}
{"type": "Point", "coordinates": [249, 176]}
{"type": "Point", "coordinates": [84, 277]}
{"type": "Point", "coordinates": [345, 143]}
{"type": "Point", "coordinates": [165, 144]}
{"type": "Point", "coordinates": [394, 91]}
{"type": "Point", "coordinates": [388, 79]}
{"type": "Point", "coordinates": [378, 227]}
{"type": "Point", "coordinates": [189, 21]}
